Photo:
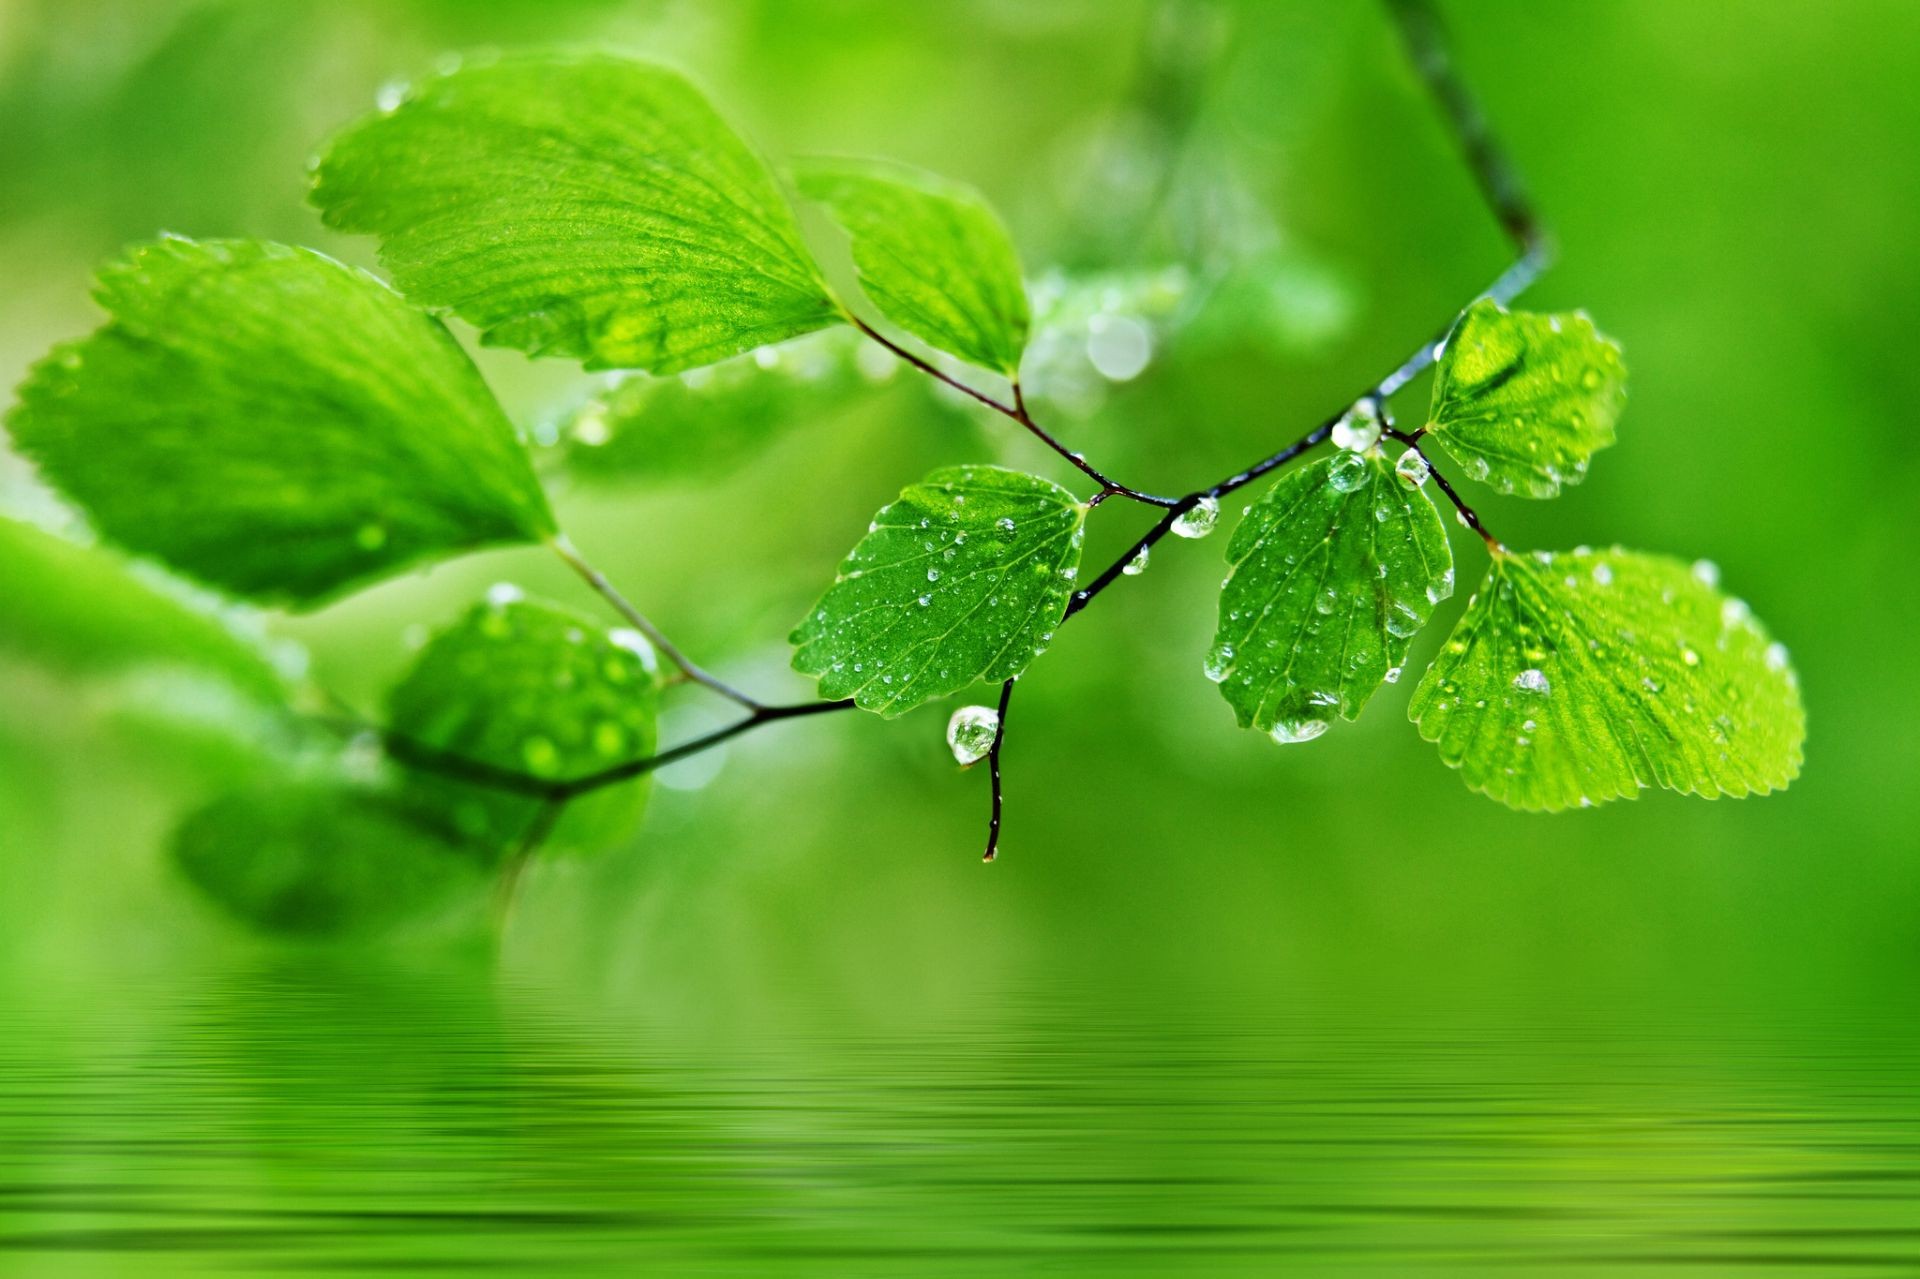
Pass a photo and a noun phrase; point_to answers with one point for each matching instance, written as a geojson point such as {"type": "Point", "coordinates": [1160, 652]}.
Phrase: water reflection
{"type": "Point", "coordinates": [316, 1121]}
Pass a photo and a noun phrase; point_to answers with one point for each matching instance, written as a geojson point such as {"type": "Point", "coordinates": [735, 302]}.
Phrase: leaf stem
{"type": "Point", "coordinates": [638, 620]}
{"type": "Point", "coordinates": [1468, 516]}
{"type": "Point", "coordinates": [1016, 411]}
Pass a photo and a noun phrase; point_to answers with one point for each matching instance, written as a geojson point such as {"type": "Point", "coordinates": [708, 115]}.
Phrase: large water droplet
{"type": "Point", "coordinates": [1138, 564]}
{"type": "Point", "coordinates": [1349, 472]}
{"type": "Point", "coordinates": [970, 733]}
{"type": "Point", "coordinates": [1412, 469]}
{"type": "Point", "coordinates": [1358, 428]}
{"type": "Point", "coordinates": [1219, 663]}
{"type": "Point", "coordinates": [1706, 572]}
{"type": "Point", "coordinates": [1288, 731]}
{"type": "Point", "coordinates": [1198, 520]}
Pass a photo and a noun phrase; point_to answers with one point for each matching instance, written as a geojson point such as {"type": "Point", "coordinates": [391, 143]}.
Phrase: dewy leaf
{"type": "Point", "coordinates": [1334, 571]}
{"type": "Point", "coordinates": [1522, 401]}
{"type": "Point", "coordinates": [1584, 676]}
{"type": "Point", "coordinates": [962, 579]}
{"type": "Point", "coordinates": [591, 207]}
{"type": "Point", "coordinates": [82, 611]}
{"type": "Point", "coordinates": [931, 255]}
{"type": "Point", "coordinates": [319, 860]}
{"type": "Point", "coordinates": [537, 689]}
{"type": "Point", "coordinates": [274, 423]}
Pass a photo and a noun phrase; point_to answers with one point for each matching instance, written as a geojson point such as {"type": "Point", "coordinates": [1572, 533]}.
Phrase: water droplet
{"type": "Point", "coordinates": [1776, 657]}
{"type": "Point", "coordinates": [1690, 657]}
{"type": "Point", "coordinates": [370, 537]}
{"type": "Point", "coordinates": [1412, 469]}
{"type": "Point", "coordinates": [392, 95]}
{"type": "Point", "coordinates": [1393, 674]}
{"type": "Point", "coordinates": [933, 575]}
{"type": "Point", "coordinates": [501, 594]}
{"type": "Point", "coordinates": [1402, 621]}
{"type": "Point", "coordinates": [925, 600]}
{"type": "Point", "coordinates": [1004, 524]}
{"type": "Point", "coordinates": [970, 733]}
{"type": "Point", "coordinates": [1349, 472]}
{"type": "Point", "coordinates": [1198, 520]}
{"type": "Point", "coordinates": [1289, 731]}
{"type": "Point", "coordinates": [1532, 681]}
{"type": "Point", "coordinates": [1138, 564]}
{"type": "Point", "coordinates": [1358, 428]}
{"type": "Point", "coordinates": [1603, 574]}
{"type": "Point", "coordinates": [1219, 663]}
{"type": "Point", "coordinates": [1706, 572]}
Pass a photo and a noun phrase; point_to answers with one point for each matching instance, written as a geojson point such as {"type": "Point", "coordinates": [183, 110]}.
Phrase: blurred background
{"type": "Point", "coordinates": [1236, 216]}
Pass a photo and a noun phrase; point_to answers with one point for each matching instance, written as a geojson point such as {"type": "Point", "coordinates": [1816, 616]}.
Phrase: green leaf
{"type": "Point", "coordinates": [273, 423]}
{"type": "Point", "coordinates": [82, 611]}
{"type": "Point", "coordinates": [931, 255]}
{"type": "Point", "coordinates": [1334, 571]}
{"type": "Point", "coordinates": [962, 579]}
{"type": "Point", "coordinates": [1584, 676]}
{"type": "Point", "coordinates": [1522, 401]}
{"type": "Point", "coordinates": [590, 207]}
{"type": "Point", "coordinates": [320, 860]}
{"type": "Point", "coordinates": [537, 689]}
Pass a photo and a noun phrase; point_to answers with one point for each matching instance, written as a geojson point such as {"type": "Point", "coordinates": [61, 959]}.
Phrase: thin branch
{"type": "Point", "coordinates": [1016, 412]}
{"type": "Point", "coordinates": [993, 770]}
{"type": "Point", "coordinates": [638, 620]}
{"type": "Point", "coordinates": [516, 863]}
{"type": "Point", "coordinates": [1468, 516]}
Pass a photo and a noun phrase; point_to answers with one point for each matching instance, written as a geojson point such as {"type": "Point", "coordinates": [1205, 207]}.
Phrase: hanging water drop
{"type": "Point", "coordinates": [1198, 520]}
{"type": "Point", "coordinates": [1412, 468]}
{"type": "Point", "coordinates": [1219, 663]}
{"type": "Point", "coordinates": [1138, 564]}
{"type": "Point", "coordinates": [1289, 731]}
{"type": "Point", "coordinates": [971, 733]}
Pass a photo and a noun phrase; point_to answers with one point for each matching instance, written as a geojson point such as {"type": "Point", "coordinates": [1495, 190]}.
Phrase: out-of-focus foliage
{"type": "Point", "coordinates": [274, 423]}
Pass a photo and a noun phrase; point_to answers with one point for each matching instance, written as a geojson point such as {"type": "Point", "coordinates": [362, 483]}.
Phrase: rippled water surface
{"type": "Point", "coordinates": [314, 1124]}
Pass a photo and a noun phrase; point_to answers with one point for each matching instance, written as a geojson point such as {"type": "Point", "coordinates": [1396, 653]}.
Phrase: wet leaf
{"type": "Point", "coordinates": [1584, 676]}
{"type": "Point", "coordinates": [962, 579]}
{"type": "Point", "coordinates": [1523, 401]}
{"type": "Point", "coordinates": [1334, 571]}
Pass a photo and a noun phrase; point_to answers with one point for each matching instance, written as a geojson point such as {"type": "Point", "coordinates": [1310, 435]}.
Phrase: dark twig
{"type": "Point", "coordinates": [993, 770]}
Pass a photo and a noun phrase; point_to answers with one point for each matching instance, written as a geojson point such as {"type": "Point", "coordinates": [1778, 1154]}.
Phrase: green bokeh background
{"type": "Point", "coordinates": [1736, 191]}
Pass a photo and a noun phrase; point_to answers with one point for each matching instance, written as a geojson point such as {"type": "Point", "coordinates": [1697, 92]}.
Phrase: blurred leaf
{"type": "Point", "coordinates": [590, 207]}
{"type": "Point", "coordinates": [697, 424]}
{"type": "Point", "coordinates": [1584, 676]}
{"type": "Point", "coordinates": [319, 860]}
{"type": "Point", "coordinates": [536, 689]}
{"type": "Point", "coordinates": [274, 423]}
{"type": "Point", "coordinates": [82, 612]}
{"type": "Point", "coordinates": [932, 255]}
{"type": "Point", "coordinates": [962, 579]}
{"type": "Point", "coordinates": [1522, 401]}
{"type": "Point", "coordinates": [1334, 571]}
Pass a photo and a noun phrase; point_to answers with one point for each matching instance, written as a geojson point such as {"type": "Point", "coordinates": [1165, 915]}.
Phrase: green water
{"type": "Point", "coordinates": [272, 1122]}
